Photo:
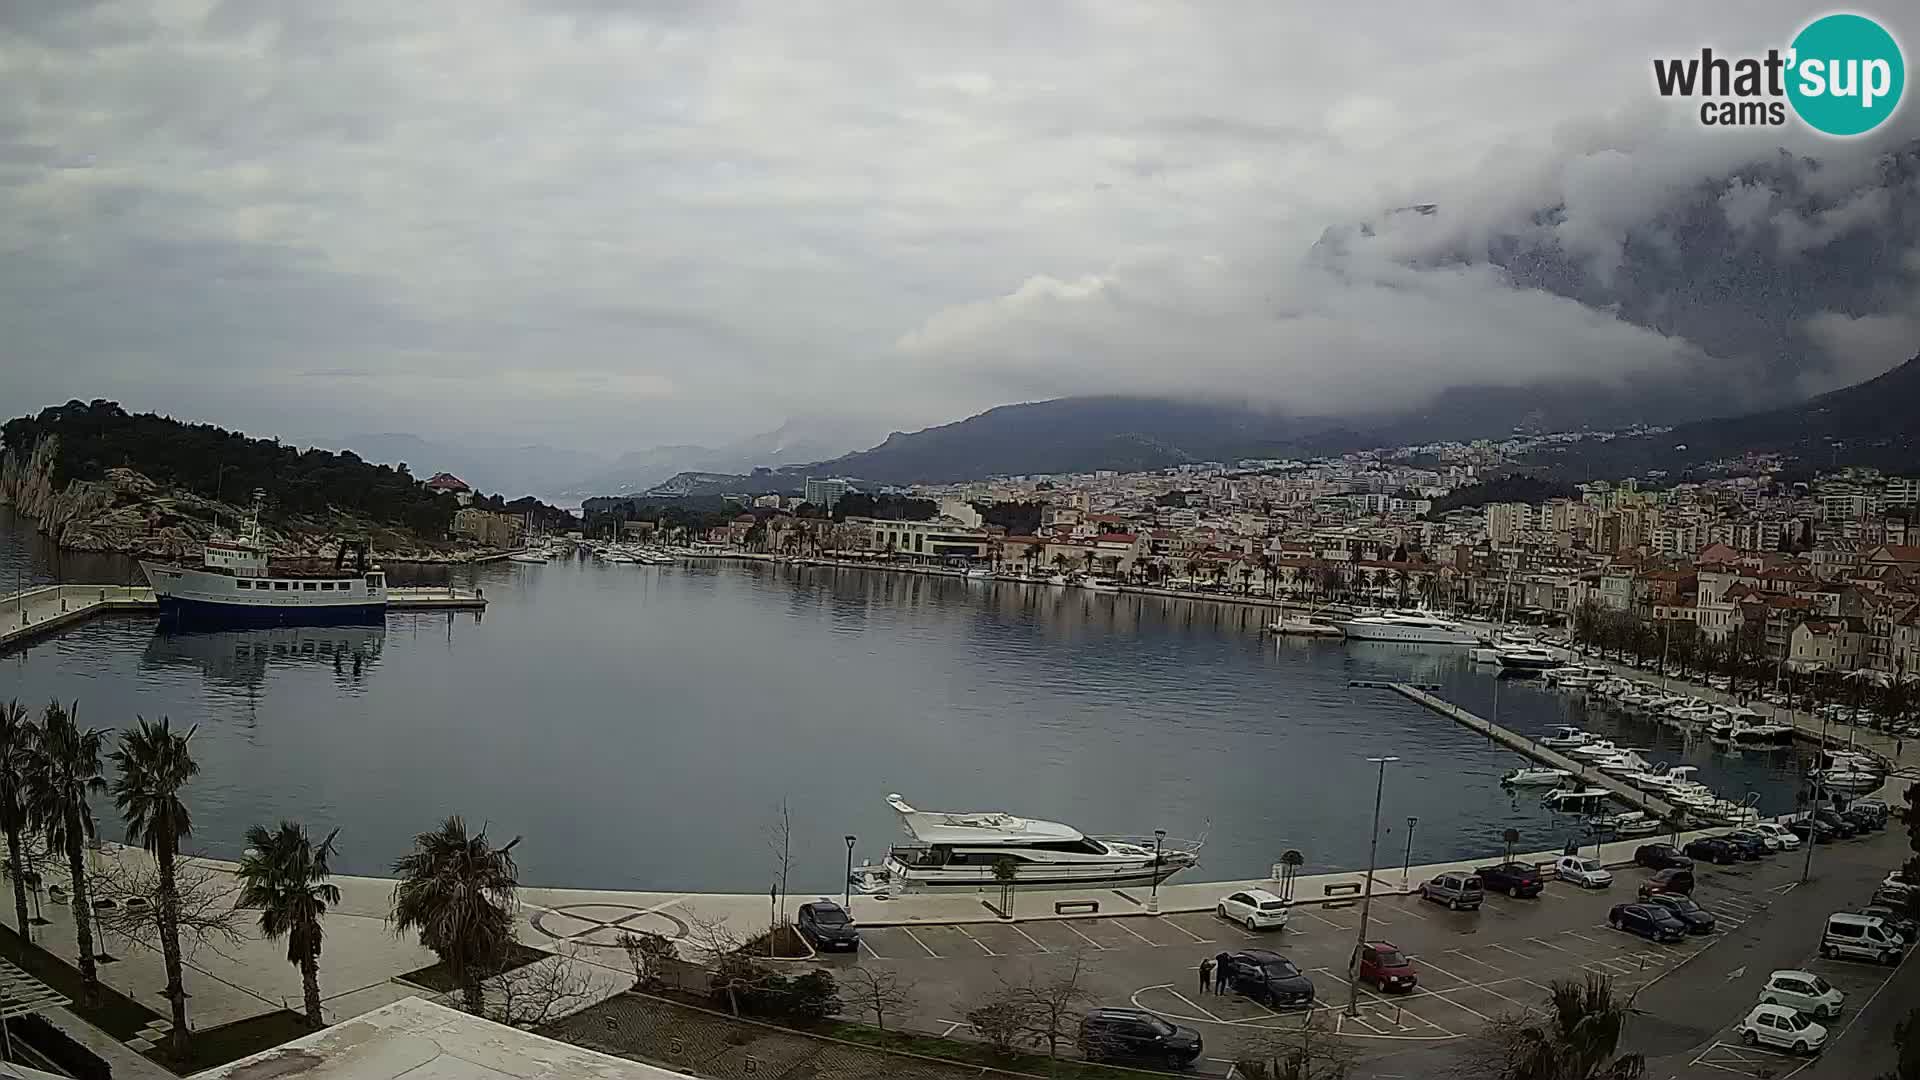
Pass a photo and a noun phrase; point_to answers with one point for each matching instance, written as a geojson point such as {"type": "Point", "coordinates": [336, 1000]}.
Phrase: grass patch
{"type": "Point", "coordinates": [116, 1014]}
{"type": "Point", "coordinates": [437, 977]}
{"type": "Point", "coordinates": [216, 1046]}
{"type": "Point", "coordinates": [970, 1053]}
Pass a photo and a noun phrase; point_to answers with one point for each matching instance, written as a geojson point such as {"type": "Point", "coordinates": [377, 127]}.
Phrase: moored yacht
{"type": "Point", "coordinates": [1410, 627]}
{"type": "Point", "coordinates": [1565, 738]}
{"type": "Point", "coordinates": [953, 851]}
{"type": "Point", "coordinates": [1527, 658]}
{"type": "Point", "coordinates": [1528, 776]}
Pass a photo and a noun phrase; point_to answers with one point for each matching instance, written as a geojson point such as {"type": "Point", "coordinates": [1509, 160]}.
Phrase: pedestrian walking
{"type": "Point", "coordinates": [1220, 981]}
{"type": "Point", "coordinates": [1206, 974]}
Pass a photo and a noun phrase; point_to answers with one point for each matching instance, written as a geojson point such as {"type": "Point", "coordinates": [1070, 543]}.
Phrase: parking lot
{"type": "Point", "coordinates": [1473, 966]}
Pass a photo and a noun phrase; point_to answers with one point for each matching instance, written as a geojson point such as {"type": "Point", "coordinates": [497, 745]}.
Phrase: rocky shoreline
{"type": "Point", "coordinates": [126, 513]}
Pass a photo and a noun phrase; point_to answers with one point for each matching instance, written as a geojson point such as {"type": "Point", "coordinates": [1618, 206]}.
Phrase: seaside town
{"type": "Point", "coordinates": [1824, 573]}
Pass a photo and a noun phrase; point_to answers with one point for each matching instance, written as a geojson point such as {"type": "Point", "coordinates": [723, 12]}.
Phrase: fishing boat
{"type": "Point", "coordinates": [1627, 823]}
{"type": "Point", "coordinates": [237, 584]}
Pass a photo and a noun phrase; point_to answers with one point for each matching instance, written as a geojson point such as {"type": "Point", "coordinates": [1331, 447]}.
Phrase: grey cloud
{"type": "Point", "coordinates": [611, 225]}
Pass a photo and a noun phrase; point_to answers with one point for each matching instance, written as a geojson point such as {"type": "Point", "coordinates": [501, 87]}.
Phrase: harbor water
{"type": "Point", "coordinates": [641, 726]}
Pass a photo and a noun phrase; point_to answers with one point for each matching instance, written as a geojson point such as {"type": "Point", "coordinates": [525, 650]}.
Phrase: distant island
{"type": "Point", "coordinates": [95, 477]}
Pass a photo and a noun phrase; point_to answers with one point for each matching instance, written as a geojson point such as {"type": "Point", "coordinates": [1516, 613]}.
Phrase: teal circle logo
{"type": "Point", "coordinates": [1847, 74]}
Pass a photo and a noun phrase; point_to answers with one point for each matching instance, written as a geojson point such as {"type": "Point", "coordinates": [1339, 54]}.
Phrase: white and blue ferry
{"type": "Point", "coordinates": [236, 584]}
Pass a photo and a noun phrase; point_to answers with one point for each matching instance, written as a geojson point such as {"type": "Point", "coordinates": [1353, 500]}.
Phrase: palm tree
{"type": "Point", "coordinates": [18, 739]}
{"type": "Point", "coordinates": [154, 764]}
{"type": "Point", "coordinates": [285, 876]}
{"type": "Point", "coordinates": [64, 774]}
{"type": "Point", "coordinates": [457, 891]}
{"type": "Point", "coordinates": [1577, 1041]}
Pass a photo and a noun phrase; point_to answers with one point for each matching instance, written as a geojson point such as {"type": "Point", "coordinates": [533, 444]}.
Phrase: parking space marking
{"type": "Point", "coordinates": [1409, 912]}
{"type": "Point", "coordinates": [952, 1026]}
{"type": "Point", "coordinates": [1189, 1002]}
{"type": "Point", "coordinates": [983, 945]}
{"type": "Point", "coordinates": [1549, 945]}
{"type": "Point", "coordinates": [1196, 937]}
{"type": "Point", "coordinates": [1122, 925]}
{"type": "Point", "coordinates": [1329, 922]}
{"type": "Point", "coordinates": [1473, 960]}
{"type": "Point", "coordinates": [1358, 1020]}
{"type": "Point", "coordinates": [1515, 952]}
{"type": "Point", "coordinates": [1537, 986]}
{"type": "Point", "coordinates": [1581, 936]}
{"type": "Point", "coordinates": [1029, 937]}
{"type": "Point", "coordinates": [1082, 937]}
{"type": "Point", "coordinates": [869, 948]}
{"type": "Point", "coordinates": [916, 940]}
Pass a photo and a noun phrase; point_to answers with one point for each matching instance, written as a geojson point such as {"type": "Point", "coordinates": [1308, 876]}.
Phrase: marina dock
{"type": "Point", "coordinates": [1551, 758]}
{"type": "Point", "coordinates": [47, 609]}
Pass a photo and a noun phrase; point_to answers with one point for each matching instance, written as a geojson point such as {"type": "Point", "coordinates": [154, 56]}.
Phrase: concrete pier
{"type": "Point", "coordinates": [31, 613]}
{"type": "Point", "coordinates": [1551, 758]}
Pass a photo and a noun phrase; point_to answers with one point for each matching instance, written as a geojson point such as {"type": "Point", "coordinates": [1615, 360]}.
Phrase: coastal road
{"type": "Point", "coordinates": [1474, 966]}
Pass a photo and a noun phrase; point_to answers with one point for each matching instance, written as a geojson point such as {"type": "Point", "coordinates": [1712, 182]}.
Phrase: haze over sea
{"type": "Point", "coordinates": [641, 725]}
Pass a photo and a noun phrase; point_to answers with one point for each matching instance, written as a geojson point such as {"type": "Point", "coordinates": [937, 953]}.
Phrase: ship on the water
{"type": "Point", "coordinates": [237, 584]}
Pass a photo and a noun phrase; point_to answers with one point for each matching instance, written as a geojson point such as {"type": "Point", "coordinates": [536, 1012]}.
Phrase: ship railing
{"type": "Point", "coordinates": [1167, 843]}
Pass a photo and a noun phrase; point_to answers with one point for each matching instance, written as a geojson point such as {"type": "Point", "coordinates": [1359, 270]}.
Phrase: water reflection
{"type": "Point", "coordinates": [241, 659]}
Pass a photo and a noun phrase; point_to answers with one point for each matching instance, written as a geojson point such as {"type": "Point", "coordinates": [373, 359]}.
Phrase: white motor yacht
{"type": "Point", "coordinates": [537, 558]}
{"type": "Point", "coordinates": [1626, 762]}
{"type": "Point", "coordinates": [1745, 732]}
{"type": "Point", "coordinates": [1530, 777]}
{"type": "Point", "coordinates": [955, 851]}
{"type": "Point", "coordinates": [1409, 627]}
{"type": "Point", "coordinates": [1528, 658]}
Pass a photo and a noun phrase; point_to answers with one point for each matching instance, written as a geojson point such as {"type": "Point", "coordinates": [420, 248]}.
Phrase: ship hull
{"type": "Point", "coordinates": [1410, 635]}
{"type": "Point", "coordinates": [208, 613]}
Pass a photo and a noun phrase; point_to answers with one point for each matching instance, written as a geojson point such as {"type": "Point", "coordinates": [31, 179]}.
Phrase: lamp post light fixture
{"type": "Point", "coordinates": [1366, 898]}
{"type": "Point", "coordinates": [846, 887]}
{"type": "Point", "coordinates": [1406, 868]}
{"type": "Point", "coordinates": [1153, 893]}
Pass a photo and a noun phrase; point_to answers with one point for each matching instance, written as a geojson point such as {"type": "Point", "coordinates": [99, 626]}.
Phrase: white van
{"type": "Point", "coordinates": [1861, 937]}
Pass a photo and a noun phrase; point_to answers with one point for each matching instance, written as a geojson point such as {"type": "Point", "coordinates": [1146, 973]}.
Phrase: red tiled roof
{"type": "Point", "coordinates": [447, 482]}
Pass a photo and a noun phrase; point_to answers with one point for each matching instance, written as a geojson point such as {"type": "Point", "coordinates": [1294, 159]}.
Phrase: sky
{"type": "Point", "coordinates": [608, 225]}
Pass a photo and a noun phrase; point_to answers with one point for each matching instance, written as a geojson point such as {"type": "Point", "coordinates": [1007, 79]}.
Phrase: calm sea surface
{"type": "Point", "coordinates": [640, 726]}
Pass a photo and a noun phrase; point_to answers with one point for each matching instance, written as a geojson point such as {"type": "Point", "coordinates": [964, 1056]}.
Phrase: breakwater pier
{"type": "Point", "coordinates": [1547, 756]}
{"type": "Point", "coordinates": [31, 613]}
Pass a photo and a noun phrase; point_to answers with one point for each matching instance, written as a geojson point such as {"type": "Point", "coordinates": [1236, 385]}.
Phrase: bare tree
{"type": "Point", "coordinates": [997, 1018]}
{"type": "Point", "coordinates": [734, 974]}
{"type": "Point", "coordinates": [128, 893]}
{"type": "Point", "coordinates": [541, 992]}
{"type": "Point", "coordinates": [780, 842]}
{"type": "Point", "coordinates": [1049, 1003]}
{"type": "Point", "coordinates": [1309, 1052]}
{"type": "Point", "coordinates": [649, 953]}
{"type": "Point", "coordinates": [881, 993]}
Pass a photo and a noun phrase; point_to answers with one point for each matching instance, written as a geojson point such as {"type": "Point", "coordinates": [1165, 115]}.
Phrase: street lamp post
{"type": "Point", "coordinates": [1153, 893]}
{"type": "Point", "coordinates": [1406, 868]}
{"type": "Point", "coordinates": [846, 887]}
{"type": "Point", "coordinates": [1806, 871]}
{"type": "Point", "coordinates": [1366, 898]}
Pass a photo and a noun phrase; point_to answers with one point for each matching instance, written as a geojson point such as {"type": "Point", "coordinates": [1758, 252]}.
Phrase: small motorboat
{"type": "Point", "coordinates": [1596, 750]}
{"type": "Point", "coordinates": [1530, 776]}
{"type": "Point", "coordinates": [1565, 738]}
{"type": "Point", "coordinates": [1528, 658]}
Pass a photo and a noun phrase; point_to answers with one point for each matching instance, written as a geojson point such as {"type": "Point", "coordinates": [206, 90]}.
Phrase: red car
{"type": "Point", "coordinates": [1385, 966]}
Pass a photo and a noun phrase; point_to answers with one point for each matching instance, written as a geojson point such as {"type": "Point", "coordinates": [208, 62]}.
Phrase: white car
{"type": "Point", "coordinates": [1779, 832]}
{"type": "Point", "coordinates": [1804, 991]}
{"type": "Point", "coordinates": [1896, 880]}
{"type": "Point", "coordinates": [1582, 871]}
{"type": "Point", "coordinates": [1255, 909]}
{"type": "Point", "coordinates": [1779, 1025]}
